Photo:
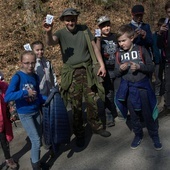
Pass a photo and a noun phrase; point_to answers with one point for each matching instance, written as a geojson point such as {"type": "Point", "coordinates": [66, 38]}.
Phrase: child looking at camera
{"type": "Point", "coordinates": [24, 89]}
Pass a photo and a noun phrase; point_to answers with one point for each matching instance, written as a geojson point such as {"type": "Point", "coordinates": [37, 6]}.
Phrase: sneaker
{"type": "Point", "coordinates": [110, 124]}
{"type": "Point", "coordinates": [157, 143]}
{"type": "Point", "coordinates": [136, 142]}
{"type": "Point", "coordinates": [103, 132]}
{"type": "Point", "coordinates": [158, 146]}
{"type": "Point", "coordinates": [120, 116]}
{"type": "Point", "coordinates": [110, 119]}
{"type": "Point", "coordinates": [80, 142]}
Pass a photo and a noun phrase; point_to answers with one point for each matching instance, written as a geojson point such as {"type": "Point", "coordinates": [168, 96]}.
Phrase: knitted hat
{"type": "Point", "coordinates": [103, 19]}
{"type": "Point", "coordinates": [69, 11]}
{"type": "Point", "coordinates": [138, 9]}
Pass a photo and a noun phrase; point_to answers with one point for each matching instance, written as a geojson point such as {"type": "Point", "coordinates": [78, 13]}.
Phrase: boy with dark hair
{"type": "Point", "coordinates": [107, 44]}
{"type": "Point", "coordinates": [164, 43]}
{"type": "Point", "coordinates": [143, 34]}
{"type": "Point", "coordinates": [135, 94]}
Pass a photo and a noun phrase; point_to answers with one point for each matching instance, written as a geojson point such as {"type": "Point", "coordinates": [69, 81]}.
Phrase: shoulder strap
{"type": "Point", "coordinates": [141, 54]}
{"type": "Point", "coordinates": [34, 75]}
{"type": "Point", "coordinates": [117, 57]}
{"type": "Point", "coordinates": [90, 46]}
{"type": "Point", "coordinates": [18, 83]}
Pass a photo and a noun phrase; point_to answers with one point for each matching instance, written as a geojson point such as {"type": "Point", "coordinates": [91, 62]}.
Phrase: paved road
{"type": "Point", "coordinates": [100, 153]}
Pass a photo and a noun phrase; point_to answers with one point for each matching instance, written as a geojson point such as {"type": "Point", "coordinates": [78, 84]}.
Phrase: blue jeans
{"type": "Point", "coordinates": [32, 125]}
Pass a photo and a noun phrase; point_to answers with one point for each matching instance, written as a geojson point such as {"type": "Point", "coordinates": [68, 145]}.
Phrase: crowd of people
{"type": "Point", "coordinates": [127, 59]}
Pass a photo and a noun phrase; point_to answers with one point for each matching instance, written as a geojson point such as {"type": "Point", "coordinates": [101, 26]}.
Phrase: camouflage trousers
{"type": "Point", "coordinates": [77, 91]}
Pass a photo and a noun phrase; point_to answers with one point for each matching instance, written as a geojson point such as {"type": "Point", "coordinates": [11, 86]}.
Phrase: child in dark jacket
{"type": "Point", "coordinates": [164, 43]}
{"type": "Point", "coordinates": [48, 80]}
{"type": "Point", "coordinates": [158, 60]}
{"type": "Point", "coordinates": [54, 114]}
{"type": "Point", "coordinates": [108, 45]}
{"type": "Point", "coordinates": [135, 93]}
{"type": "Point", "coordinates": [143, 34]}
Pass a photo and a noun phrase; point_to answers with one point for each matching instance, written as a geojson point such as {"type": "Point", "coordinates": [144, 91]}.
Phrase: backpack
{"type": "Point", "coordinates": [11, 108]}
{"type": "Point", "coordinates": [12, 111]}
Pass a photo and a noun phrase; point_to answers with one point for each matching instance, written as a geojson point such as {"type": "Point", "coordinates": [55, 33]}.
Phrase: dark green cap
{"type": "Point", "coordinates": [69, 11]}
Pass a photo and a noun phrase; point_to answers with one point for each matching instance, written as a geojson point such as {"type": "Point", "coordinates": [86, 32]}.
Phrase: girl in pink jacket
{"type": "Point", "coordinates": [6, 134]}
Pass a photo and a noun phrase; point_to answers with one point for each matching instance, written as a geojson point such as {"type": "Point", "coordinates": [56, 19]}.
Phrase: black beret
{"type": "Point", "coordinates": [138, 9]}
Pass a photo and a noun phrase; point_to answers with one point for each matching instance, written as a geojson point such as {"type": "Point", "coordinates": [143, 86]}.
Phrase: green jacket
{"type": "Point", "coordinates": [67, 75]}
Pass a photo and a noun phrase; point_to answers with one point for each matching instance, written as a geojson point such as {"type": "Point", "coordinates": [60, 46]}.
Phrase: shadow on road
{"type": "Point", "coordinates": [23, 151]}
{"type": "Point", "coordinates": [48, 159]}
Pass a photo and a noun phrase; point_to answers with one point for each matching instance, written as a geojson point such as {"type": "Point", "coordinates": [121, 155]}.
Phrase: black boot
{"type": "Point", "coordinates": [102, 132]}
{"type": "Point", "coordinates": [36, 166]}
{"type": "Point", "coordinates": [80, 141]}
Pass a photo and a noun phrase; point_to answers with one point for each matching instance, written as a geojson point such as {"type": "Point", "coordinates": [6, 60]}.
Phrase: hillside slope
{"type": "Point", "coordinates": [21, 23]}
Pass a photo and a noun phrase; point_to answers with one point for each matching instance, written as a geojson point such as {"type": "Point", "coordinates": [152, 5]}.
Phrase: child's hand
{"type": "Point", "coordinates": [134, 66]}
{"type": "Point", "coordinates": [141, 32]}
{"type": "Point", "coordinates": [163, 28]}
{"type": "Point", "coordinates": [13, 118]}
{"type": "Point", "coordinates": [31, 93]}
{"type": "Point", "coordinates": [124, 66]}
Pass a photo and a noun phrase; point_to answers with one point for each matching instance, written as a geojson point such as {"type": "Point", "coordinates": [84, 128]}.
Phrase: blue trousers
{"type": "Point", "coordinates": [32, 125]}
{"type": "Point", "coordinates": [144, 115]}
